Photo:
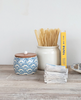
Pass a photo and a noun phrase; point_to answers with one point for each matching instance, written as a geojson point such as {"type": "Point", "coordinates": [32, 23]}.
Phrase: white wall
{"type": "Point", "coordinates": [19, 19]}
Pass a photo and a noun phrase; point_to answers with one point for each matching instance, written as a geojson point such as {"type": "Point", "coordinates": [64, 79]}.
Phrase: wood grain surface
{"type": "Point", "coordinates": [32, 87]}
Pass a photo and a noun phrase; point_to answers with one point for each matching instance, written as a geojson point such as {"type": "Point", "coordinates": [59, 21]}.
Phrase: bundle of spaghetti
{"type": "Point", "coordinates": [48, 37]}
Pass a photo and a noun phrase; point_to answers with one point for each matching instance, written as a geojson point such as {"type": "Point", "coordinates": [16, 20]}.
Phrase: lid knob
{"type": "Point", "coordinates": [25, 52]}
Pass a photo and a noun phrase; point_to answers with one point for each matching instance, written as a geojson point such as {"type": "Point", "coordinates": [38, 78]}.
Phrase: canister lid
{"type": "Point", "coordinates": [25, 55]}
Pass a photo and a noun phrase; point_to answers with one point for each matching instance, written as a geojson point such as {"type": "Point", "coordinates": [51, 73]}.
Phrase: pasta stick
{"type": "Point", "coordinates": [54, 36]}
{"type": "Point", "coordinates": [41, 34]}
{"type": "Point", "coordinates": [37, 37]}
{"type": "Point", "coordinates": [58, 33]}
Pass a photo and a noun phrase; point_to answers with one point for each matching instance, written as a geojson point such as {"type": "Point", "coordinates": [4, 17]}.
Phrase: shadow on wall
{"type": "Point", "coordinates": [72, 51]}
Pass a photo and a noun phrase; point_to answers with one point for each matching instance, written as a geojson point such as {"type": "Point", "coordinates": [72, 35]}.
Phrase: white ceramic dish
{"type": "Point", "coordinates": [79, 67]}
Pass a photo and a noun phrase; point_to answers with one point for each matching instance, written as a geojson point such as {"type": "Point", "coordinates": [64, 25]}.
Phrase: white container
{"type": "Point", "coordinates": [50, 55]}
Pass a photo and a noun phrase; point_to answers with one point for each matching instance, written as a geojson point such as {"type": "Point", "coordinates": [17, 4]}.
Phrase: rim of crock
{"type": "Point", "coordinates": [48, 47]}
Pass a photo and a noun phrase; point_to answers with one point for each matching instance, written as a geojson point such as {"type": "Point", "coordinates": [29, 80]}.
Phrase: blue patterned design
{"type": "Point", "coordinates": [25, 66]}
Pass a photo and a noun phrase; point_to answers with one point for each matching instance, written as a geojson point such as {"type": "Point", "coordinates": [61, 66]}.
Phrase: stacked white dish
{"type": "Point", "coordinates": [55, 74]}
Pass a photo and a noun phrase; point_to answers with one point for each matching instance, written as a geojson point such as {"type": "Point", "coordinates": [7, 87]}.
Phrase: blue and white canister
{"type": "Point", "coordinates": [25, 63]}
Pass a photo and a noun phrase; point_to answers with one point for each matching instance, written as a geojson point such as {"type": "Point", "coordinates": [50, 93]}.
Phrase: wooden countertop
{"type": "Point", "coordinates": [17, 87]}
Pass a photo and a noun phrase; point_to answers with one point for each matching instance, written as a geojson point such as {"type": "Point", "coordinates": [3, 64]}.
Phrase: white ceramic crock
{"type": "Point", "coordinates": [50, 55]}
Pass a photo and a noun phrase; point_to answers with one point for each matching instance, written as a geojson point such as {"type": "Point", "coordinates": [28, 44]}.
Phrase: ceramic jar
{"type": "Point", "coordinates": [25, 63]}
{"type": "Point", "coordinates": [50, 55]}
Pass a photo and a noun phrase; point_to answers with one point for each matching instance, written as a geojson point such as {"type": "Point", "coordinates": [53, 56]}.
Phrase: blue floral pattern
{"type": "Point", "coordinates": [25, 66]}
